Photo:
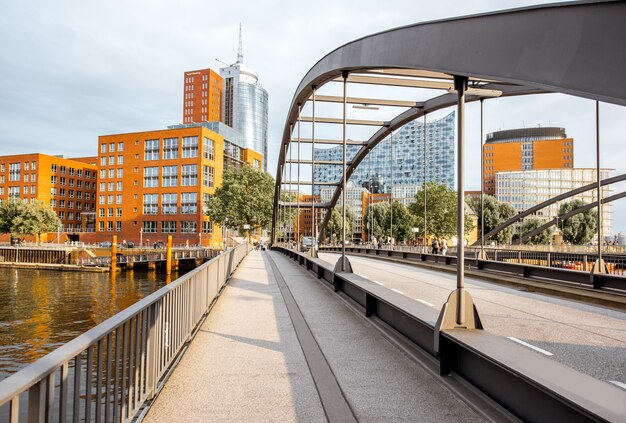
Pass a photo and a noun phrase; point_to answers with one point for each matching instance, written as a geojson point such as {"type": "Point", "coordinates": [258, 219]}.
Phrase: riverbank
{"type": "Point", "coordinates": [60, 267]}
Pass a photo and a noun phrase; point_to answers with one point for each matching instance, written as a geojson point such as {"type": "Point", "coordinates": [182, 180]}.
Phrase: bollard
{"type": "Point", "coordinates": [114, 254]}
{"type": "Point", "coordinates": [168, 265]}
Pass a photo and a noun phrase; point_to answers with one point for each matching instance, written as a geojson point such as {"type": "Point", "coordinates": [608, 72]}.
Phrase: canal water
{"type": "Point", "coordinates": [42, 309]}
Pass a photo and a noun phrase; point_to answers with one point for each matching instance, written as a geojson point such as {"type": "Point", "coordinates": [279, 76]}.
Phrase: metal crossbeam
{"type": "Point", "coordinates": [327, 141]}
{"type": "Point", "coordinates": [317, 162]}
{"type": "Point", "coordinates": [368, 101]}
{"type": "Point", "coordinates": [340, 121]}
{"type": "Point", "coordinates": [330, 184]}
{"type": "Point", "coordinates": [397, 82]}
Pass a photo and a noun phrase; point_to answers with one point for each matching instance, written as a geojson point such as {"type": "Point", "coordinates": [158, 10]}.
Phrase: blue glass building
{"type": "Point", "coordinates": [374, 172]}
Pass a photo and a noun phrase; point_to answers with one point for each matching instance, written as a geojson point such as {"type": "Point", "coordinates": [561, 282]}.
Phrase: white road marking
{"type": "Point", "coordinates": [399, 292]}
{"type": "Point", "coordinates": [620, 384]}
{"type": "Point", "coordinates": [526, 344]}
{"type": "Point", "coordinates": [424, 302]}
{"type": "Point", "coordinates": [379, 283]}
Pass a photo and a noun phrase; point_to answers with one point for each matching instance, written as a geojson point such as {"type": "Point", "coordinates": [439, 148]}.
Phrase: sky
{"type": "Point", "coordinates": [73, 70]}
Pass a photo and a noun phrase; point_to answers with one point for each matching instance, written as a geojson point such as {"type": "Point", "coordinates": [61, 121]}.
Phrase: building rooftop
{"type": "Point", "coordinates": [527, 134]}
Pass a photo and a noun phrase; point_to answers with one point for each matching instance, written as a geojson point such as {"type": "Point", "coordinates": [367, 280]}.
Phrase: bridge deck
{"type": "Point", "coordinates": [254, 359]}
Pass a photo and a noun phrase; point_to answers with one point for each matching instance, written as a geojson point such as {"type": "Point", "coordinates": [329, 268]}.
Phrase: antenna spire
{"type": "Point", "coordinates": [240, 52]}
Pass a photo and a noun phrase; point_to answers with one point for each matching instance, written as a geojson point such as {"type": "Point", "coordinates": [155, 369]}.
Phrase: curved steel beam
{"type": "Point", "coordinates": [553, 48]}
{"type": "Point", "coordinates": [549, 202]}
{"type": "Point", "coordinates": [570, 214]}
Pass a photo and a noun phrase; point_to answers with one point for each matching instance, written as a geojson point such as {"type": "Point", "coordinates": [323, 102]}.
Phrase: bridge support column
{"type": "Point", "coordinates": [168, 256]}
{"type": "Point", "coordinates": [459, 312]}
{"type": "Point", "coordinates": [114, 254]}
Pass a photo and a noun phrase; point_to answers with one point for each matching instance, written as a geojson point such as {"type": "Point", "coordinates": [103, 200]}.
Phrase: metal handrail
{"type": "Point", "coordinates": [149, 334]}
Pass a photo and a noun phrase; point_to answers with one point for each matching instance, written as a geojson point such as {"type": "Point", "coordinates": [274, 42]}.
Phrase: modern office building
{"type": "Point", "coordinates": [526, 188]}
{"type": "Point", "coordinates": [67, 185]}
{"type": "Point", "coordinates": [202, 98]}
{"type": "Point", "coordinates": [401, 155]}
{"type": "Point", "coordinates": [525, 149]}
{"type": "Point", "coordinates": [357, 198]}
{"type": "Point", "coordinates": [245, 105]}
{"type": "Point", "coordinates": [154, 184]}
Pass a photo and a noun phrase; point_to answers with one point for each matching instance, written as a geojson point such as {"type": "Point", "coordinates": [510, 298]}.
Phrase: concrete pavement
{"type": "Point", "coordinates": [247, 364]}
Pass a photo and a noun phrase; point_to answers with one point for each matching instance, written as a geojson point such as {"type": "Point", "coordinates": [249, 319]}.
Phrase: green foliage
{"type": "Point", "coordinates": [19, 218]}
{"type": "Point", "coordinates": [496, 212]}
{"type": "Point", "coordinates": [441, 211]}
{"type": "Point", "coordinates": [378, 213]}
{"type": "Point", "coordinates": [245, 197]}
{"type": "Point", "coordinates": [543, 237]}
{"type": "Point", "coordinates": [334, 224]}
{"type": "Point", "coordinates": [580, 228]}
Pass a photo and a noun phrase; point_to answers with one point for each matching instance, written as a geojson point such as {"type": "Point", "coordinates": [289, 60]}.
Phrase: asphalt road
{"type": "Point", "coordinates": [587, 338]}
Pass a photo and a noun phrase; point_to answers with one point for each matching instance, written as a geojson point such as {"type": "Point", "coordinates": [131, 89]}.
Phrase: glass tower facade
{"type": "Point", "coordinates": [407, 162]}
{"type": "Point", "coordinates": [245, 106]}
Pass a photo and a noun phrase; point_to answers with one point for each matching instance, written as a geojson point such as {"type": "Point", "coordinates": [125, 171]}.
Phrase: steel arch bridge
{"type": "Point", "coordinates": [557, 48]}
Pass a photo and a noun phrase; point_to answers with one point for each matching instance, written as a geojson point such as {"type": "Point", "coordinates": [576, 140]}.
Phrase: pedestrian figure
{"type": "Point", "coordinates": [444, 246]}
{"type": "Point", "coordinates": [435, 246]}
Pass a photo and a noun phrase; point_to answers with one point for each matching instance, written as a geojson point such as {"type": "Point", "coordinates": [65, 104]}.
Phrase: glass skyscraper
{"type": "Point", "coordinates": [374, 172]}
{"type": "Point", "coordinates": [245, 106]}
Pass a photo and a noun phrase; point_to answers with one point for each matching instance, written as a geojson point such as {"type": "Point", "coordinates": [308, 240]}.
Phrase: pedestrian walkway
{"type": "Point", "coordinates": [281, 346]}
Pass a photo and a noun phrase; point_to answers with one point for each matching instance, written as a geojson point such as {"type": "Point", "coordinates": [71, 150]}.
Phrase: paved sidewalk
{"type": "Point", "coordinates": [246, 363]}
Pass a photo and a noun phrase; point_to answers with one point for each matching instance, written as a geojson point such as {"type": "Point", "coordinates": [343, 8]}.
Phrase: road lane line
{"type": "Point", "coordinates": [379, 283]}
{"type": "Point", "coordinates": [399, 292]}
{"type": "Point", "coordinates": [526, 344]}
{"type": "Point", "coordinates": [424, 302]}
{"type": "Point", "coordinates": [620, 384]}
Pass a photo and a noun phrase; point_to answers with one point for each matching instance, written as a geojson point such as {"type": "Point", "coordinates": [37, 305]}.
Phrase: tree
{"type": "Point", "coordinates": [441, 211]}
{"type": "Point", "coordinates": [335, 226]}
{"type": "Point", "coordinates": [543, 237]}
{"type": "Point", "coordinates": [496, 212]}
{"type": "Point", "coordinates": [245, 198]}
{"type": "Point", "coordinates": [19, 218]}
{"type": "Point", "coordinates": [580, 228]}
{"type": "Point", "coordinates": [403, 221]}
{"type": "Point", "coordinates": [377, 214]}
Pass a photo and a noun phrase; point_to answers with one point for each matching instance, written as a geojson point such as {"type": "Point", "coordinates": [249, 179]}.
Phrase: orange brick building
{"type": "Point", "coordinates": [525, 149]}
{"type": "Point", "coordinates": [67, 185]}
{"type": "Point", "coordinates": [202, 98]}
{"type": "Point", "coordinates": [154, 184]}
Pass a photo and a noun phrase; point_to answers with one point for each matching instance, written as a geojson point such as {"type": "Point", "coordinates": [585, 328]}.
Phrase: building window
{"type": "Point", "coordinates": [101, 199]}
{"type": "Point", "coordinates": [209, 149]}
{"type": "Point", "coordinates": [103, 161]}
{"type": "Point", "coordinates": [149, 227]}
{"type": "Point", "coordinates": [120, 146]}
{"type": "Point", "coordinates": [118, 226]}
{"type": "Point", "coordinates": [111, 173]}
{"type": "Point", "coordinates": [190, 175]}
{"type": "Point", "coordinates": [150, 203]}
{"type": "Point", "coordinates": [120, 160]}
{"type": "Point", "coordinates": [170, 148]}
{"type": "Point", "coordinates": [257, 164]}
{"type": "Point", "coordinates": [188, 226]}
{"type": "Point", "coordinates": [118, 199]}
{"type": "Point", "coordinates": [118, 212]}
{"type": "Point", "coordinates": [103, 148]}
{"type": "Point", "coordinates": [110, 199]}
{"type": "Point", "coordinates": [119, 186]}
{"type": "Point", "coordinates": [170, 176]}
{"type": "Point", "coordinates": [120, 173]}
{"type": "Point", "coordinates": [111, 186]}
{"type": "Point", "coordinates": [109, 226]}
{"type": "Point", "coordinates": [110, 212]}
{"type": "Point", "coordinates": [190, 147]}
{"type": "Point", "coordinates": [62, 192]}
{"type": "Point", "coordinates": [207, 227]}
{"type": "Point", "coordinates": [168, 227]}
{"type": "Point", "coordinates": [207, 176]}
{"type": "Point", "coordinates": [101, 212]}
{"type": "Point", "coordinates": [150, 177]}
{"type": "Point", "coordinates": [14, 171]}
{"type": "Point", "coordinates": [169, 203]}
{"type": "Point", "coordinates": [151, 150]}
{"type": "Point", "coordinates": [189, 203]}
{"type": "Point", "coordinates": [101, 226]}
{"type": "Point", "coordinates": [103, 173]}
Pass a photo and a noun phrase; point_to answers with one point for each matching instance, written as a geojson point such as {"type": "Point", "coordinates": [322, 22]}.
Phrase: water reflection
{"type": "Point", "coordinates": [40, 309]}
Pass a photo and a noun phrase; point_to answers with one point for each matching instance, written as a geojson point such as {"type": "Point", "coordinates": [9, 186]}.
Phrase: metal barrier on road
{"type": "Point", "coordinates": [108, 373]}
{"type": "Point", "coordinates": [514, 262]}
